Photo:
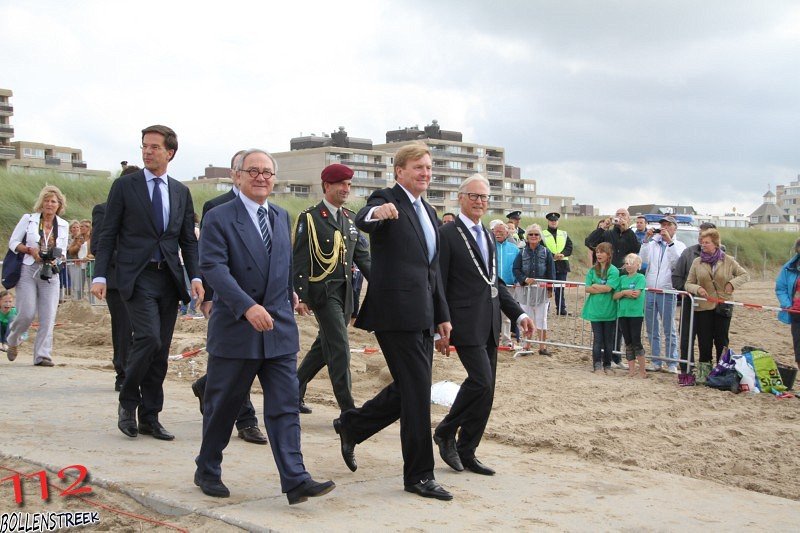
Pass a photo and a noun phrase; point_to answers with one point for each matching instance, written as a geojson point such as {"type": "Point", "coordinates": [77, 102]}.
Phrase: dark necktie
{"type": "Point", "coordinates": [262, 224]}
{"type": "Point", "coordinates": [158, 215]}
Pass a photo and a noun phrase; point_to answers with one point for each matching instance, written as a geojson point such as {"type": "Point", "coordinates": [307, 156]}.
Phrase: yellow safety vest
{"type": "Point", "coordinates": [555, 245]}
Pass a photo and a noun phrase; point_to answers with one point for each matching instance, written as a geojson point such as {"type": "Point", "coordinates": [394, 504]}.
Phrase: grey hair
{"type": "Point", "coordinates": [237, 158]}
{"type": "Point", "coordinates": [474, 177]}
{"type": "Point", "coordinates": [496, 222]}
{"type": "Point", "coordinates": [240, 163]}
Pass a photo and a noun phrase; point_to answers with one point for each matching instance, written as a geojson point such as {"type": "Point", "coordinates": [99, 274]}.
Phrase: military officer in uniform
{"type": "Point", "coordinates": [326, 243]}
{"type": "Point", "coordinates": [559, 243]}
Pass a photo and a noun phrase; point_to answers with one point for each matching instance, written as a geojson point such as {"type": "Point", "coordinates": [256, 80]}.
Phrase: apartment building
{"type": "Point", "coordinates": [787, 198]}
{"type": "Point", "coordinates": [37, 158]}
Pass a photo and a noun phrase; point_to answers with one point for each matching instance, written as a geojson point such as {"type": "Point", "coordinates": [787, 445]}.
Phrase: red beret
{"type": "Point", "coordinates": [336, 172]}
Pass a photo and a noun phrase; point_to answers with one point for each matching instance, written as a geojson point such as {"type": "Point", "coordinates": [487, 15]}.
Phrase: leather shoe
{"type": "Point", "coordinates": [309, 489]}
{"type": "Point", "coordinates": [199, 393]}
{"type": "Point", "coordinates": [476, 466]}
{"type": "Point", "coordinates": [252, 434]}
{"type": "Point", "coordinates": [156, 430]}
{"type": "Point", "coordinates": [348, 446]}
{"type": "Point", "coordinates": [11, 353]}
{"type": "Point", "coordinates": [127, 421]}
{"type": "Point", "coordinates": [429, 488]}
{"type": "Point", "coordinates": [306, 410]}
{"type": "Point", "coordinates": [447, 449]}
{"type": "Point", "coordinates": [44, 362]}
{"type": "Point", "coordinates": [215, 487]}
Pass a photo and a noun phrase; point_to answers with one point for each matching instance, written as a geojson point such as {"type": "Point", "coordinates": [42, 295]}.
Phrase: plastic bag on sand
{"type": "Point", "coordinates": [444, 393]}
{"type": "Point", "coordinates": [745, 369]}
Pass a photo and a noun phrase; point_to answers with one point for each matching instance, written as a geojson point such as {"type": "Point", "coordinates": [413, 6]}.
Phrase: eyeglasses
{"type": "Point", "coordinates": [153, 147]}
{"type": "Point", "coordinates": [475, 196]}
{"type": "Point", "coordinates": [534, 234]}
{"type": "Point", "coordinates": [254, 173]}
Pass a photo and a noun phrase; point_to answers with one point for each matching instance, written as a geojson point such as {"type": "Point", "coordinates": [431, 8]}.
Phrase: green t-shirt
{"type": "Point", "coordinates": [601, 307]}
{"type": "Point", "coordinates": [631, 307]}
{"type": "Point", "coordinates": [6, 318]}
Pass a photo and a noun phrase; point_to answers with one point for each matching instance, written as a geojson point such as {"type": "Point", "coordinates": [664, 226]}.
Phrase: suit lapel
{"type": "Point", "coordinates": [251, 237]}
{"type": "Point", "coordinates": [174, 203]}
{"type": "Point", "coordinates": [404, 203]}
{"type": "Point", "coordinates": [141, 192]}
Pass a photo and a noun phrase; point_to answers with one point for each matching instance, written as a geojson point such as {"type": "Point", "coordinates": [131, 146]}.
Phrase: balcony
{"type": "Point", "coordinates": [377, 182]}
{"type": "Point", "coordinates": [447, 154]}
{"type": "Point", "coordinates": [7, 152]}
{"type": "Point", "coordinates": [444, 185]}
{"type": "Point", "coordinates": [52, 160]}
{"type": "Point", "coordinates": [446, 169]}
{"type": "Point", "coordinates": [494, 173]}
{"type": "Point", "coordinates": [78, 164]}
{"type": "Point", "coordinates": [6, 131]}
{"type": "Point", "coordinates": [6, 109]}
{"type": "Point", "coordinates": [350, 162]}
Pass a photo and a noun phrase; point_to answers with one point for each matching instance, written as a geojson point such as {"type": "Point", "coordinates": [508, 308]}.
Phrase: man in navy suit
{"type": "Point", "coordinates": [149, 216]}
{"type": "Point", "coordinates": [404, 306]}
{"type": "Point", "coordinates": [246, 253]}
{"type": "Point", "coordinates": [475, 299]}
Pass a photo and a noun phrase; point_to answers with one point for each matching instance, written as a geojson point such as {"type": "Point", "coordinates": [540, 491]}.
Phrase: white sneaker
{"type": "Point", "coordinates": [672, 370]}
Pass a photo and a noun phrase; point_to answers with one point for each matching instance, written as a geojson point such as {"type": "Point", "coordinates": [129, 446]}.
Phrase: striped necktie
{"type": "Point", "coordinates": [262, 223]}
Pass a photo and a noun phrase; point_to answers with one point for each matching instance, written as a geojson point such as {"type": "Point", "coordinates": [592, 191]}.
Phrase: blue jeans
{"type": "Point", "coordinates": [661, 306]}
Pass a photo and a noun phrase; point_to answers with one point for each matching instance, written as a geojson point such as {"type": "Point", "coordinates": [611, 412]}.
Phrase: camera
{"type": "Point", "coordinates": [49, 266]}
{"type": "Point", "coordinates": [615, 220]}
{"type": "Point", "coordinates": [656, 230]}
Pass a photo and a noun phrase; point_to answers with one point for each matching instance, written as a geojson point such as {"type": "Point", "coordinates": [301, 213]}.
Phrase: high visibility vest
{"type": "Point", "coordinates": [555, 245]}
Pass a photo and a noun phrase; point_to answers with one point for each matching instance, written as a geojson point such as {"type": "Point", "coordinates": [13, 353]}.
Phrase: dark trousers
{"type": "Point", "coordinates": [152, 309]}
{"type": "Point", "coordinates": [560, 294]}
{"type": "Point", "coordinates": [409, 356]}
{"type": "Point", "coordinates": [712, 332]}
{"type": "Point", "coordinates": [4, 328]}
{"type": "Point", "coordinates": [631, 327]}
{"type": "Point", "coordinates": [331, 348]}
{"type": "Point", "coordinates": [229, 381]}
{"type": "Point", "coordinates": [247, 413]}
{"type": "Point", "coordinates": [687, 343]}
{"type": "Point", "coordinates": [473, 404]}
{"type": "Point", "coordinates": [120, 332]}
{"type": "Point", "coordinates": [796, 339]}
{"type": "Point", "coordinates": [603, 342]}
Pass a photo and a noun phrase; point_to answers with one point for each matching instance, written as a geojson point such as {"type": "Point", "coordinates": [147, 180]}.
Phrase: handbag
{"type": "Point", "coordinates": [12, 267]}
{"type": "Point", "coordinates": [725, 310]}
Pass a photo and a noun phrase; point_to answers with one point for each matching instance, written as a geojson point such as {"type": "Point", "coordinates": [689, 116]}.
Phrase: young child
{"type": "Point", "coordinates": [600, 307]}
{"type": "Point", "coordinates": [7, 314]}
{"type": "Point", "coordinates": [630, 293]}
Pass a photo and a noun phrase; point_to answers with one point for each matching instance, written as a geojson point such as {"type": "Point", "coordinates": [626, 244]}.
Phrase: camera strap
{"type": "Point", "coordinates": [44, 239]}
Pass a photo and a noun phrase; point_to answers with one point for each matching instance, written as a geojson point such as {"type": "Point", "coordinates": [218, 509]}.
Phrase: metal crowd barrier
{"type": "Point", "coordinates": [571, 331]}
{"type": "Point", "coordinates": [76, 279]}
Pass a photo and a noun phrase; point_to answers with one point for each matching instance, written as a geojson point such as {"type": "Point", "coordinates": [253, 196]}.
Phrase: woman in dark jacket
{"type": "Point", "coordinates": [534, 262]}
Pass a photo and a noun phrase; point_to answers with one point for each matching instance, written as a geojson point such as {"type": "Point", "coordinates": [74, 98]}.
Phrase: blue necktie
{"type": "Point", "coordinates": [481, 244]}
{"type": "Point", "coordinates": [262, 223]}
{"type": "Point", "coordinates": [427, 229]}
{"type": "Point", "coordinates": [158, 215]}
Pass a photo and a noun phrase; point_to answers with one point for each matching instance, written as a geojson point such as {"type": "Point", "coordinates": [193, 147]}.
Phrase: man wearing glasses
{"type": "Point", "coordinates": [475, 297]}
{"type": "Point", "coordinates": [246, 257]}
{"type": "Point", "coordinates": [149, 217]}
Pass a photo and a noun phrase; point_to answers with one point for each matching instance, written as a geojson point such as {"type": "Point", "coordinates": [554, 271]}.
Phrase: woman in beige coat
{"type": "Point", "coordinates": [713, 275]}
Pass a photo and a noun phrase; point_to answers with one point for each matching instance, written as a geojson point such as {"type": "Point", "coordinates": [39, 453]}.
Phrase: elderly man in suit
{"type": "Point", "coordinates": [475, 299]}
{"type": "Point", "coordinates": [149, 216]}
{"type": "Point", "coordinates": [404, 306]}
{"type": "Point", "coordinates": [246, 256]}
{"type": "Point", "coordinates": [247, 421]}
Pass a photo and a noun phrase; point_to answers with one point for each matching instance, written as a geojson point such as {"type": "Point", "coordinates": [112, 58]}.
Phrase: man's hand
{"type": "Point", "coordinates": [302, 309]}
{"type": "Point", "coordinates": [665, 236]}
{"type": "Point", "coordinates": [198, 291]}
{"type": "Point", "coordinates": [444, 330]}
{"type": "Point", "coordinates": [295, 300]}
{"type": "Point", "coordinates": [99, 290]}
{"type": "Point", "coordinates": [528, 327]}
{"type": "Point", "coordinates": [443, 346]}
{"type": "Point", "coordinates": [559, 257]}
{"type": "Point", "coordinates": [259, 318]}
{"type": "Point", "coordinates": [385, 212]}
{"type": "Point", "coordinates": [205, 308]}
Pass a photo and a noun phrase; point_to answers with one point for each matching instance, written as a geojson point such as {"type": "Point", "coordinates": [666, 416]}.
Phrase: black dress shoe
{"type": "Point", "coordinates": [309, 489]}
{"type": "Point", "coordinates": [306, 410]}
{"type": "Point", "coordinates": [348, 446]}
{"type": "Point", "coordinates": [215, 488]}
{"type": "Point", "coordinates": [156, 430]}
{"type": "Point", "coordinates": [127, 421]}
{"type": "Point", "coordinates": [252, 434]}
{"type": "Point", "coordinates": [476, 466]}
{"type": "Point", "coordinates": [429, 488]}
{"type": "Point", "coordinates": [198, 391]}
{"type": "Point", "coordinates": [447, 449]}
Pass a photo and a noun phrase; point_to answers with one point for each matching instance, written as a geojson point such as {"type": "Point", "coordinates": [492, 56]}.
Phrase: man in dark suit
{"type": "Point", "coordinates": [326, 244]}
{"type": "Point", "coordinates": [120, 322]}
{"type": "Point", "coordinates": [246, 253]}
{"type": "Point", "coordinates": [475, 299]}
{"type": "Point", "coordinates": [247, 421]}
{"type": "Point", "coordinates": [404, 305]}
{"type": "Point", "coordinates": [149, 216]}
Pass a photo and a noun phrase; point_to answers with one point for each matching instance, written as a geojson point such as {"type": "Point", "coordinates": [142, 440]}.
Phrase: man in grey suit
{"type": "Point", "coordinates": [246, 255]}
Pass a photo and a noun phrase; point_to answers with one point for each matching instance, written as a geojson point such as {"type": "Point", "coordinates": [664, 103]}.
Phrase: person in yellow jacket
{"type": "Point", "coordinates": [559, 243]}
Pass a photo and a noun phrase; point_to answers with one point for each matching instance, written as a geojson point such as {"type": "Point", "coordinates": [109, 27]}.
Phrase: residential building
{"type": "Point", "coordinates": [37, 158]}
{"type": "Point", "coordinates": [728, 220]}
{"type": "Point", "coordinates": [769, 217]}
{"type": "Point", "coordinates": [787, 198]}
{"type": "Point", "coordinates": [661, 209]}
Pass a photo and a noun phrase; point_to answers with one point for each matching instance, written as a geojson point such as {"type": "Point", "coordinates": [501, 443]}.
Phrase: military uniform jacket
{"type": "Point", "coordinates": [321, 245]}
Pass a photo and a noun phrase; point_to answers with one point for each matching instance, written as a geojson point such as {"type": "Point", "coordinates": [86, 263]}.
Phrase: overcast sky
{"type": "Point", "coordinates": [612, 102]}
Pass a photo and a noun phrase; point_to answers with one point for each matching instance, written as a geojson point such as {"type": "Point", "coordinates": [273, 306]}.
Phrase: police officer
{"type": "Point", "coordinates": [326, 242]}
{"type": "Point", "coordinates": [514, 217]}
{"type": "Point", "coordinates": [559, 243]}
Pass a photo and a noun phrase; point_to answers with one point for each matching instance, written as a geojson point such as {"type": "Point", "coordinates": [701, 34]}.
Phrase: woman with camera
{"type": "Point", "coordinates": [714, 276]}
{"type": "Point", "coordinates": [42, 236]}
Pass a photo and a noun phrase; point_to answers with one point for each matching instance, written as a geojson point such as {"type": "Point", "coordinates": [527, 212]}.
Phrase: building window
{"type": "Point", "coordinates": [456, 165]}
{"type": "Point", "coordinates": [754, 220]}
{"type": "Point", "coordinates": [454, 195]}
{"type": "Point", "coordinates": [358, 158]}
{"type": "Point", "coordinates": [65, 157]}
{"type": "Point", "coordinates": [542, 201]}
{"type": "Point", "coordinates": [480, 152]}
{"type": "Point", "coordinates": [773, 219]}
{"type": "Point", "coordinates": [362, 174]}
{"type": "Point", "coordinates": [361, 192]}
{"type": "Point", "coordinates": [33, 153]}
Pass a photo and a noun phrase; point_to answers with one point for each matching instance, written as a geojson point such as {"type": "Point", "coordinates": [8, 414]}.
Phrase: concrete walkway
{"type": "Point", "coordinates": [67, 415]}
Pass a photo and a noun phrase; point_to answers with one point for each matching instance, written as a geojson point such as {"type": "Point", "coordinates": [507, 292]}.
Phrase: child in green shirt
{"type": "Point", "coordinates": [600, 308]}
{"type": "Point", "coordinates": [630, 293]}
{"type": "Point", "coordinates": [7, 314]}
